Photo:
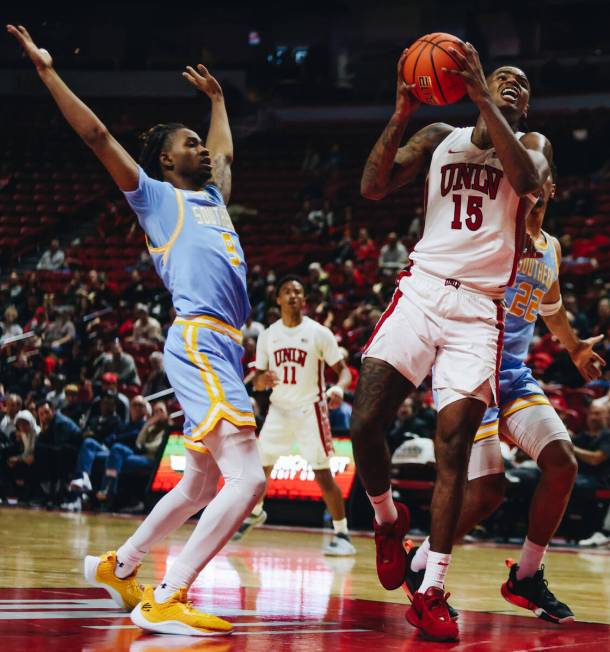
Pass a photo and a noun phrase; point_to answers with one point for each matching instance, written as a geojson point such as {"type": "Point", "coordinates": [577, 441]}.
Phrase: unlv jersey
{"type": "Point", "coordinates": [297, 356]}
{"type": "Point", "coordinates": [475, 221]}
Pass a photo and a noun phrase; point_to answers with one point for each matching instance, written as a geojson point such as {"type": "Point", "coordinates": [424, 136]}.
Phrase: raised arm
{"type": "Point", "coordinates": [525, 161]}
{"type": "Point", "coordinates": [389, 167]}
{"type": "Point", "coordinates": [120, 165]}
{"type": "Point", "coordinates": [553, 312]}
{"type": "Point", "coordinates": [219, 141]}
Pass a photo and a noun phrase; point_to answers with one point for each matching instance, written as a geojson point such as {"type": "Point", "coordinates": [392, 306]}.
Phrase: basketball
{"type": "Point", "coordinates": [424, 67]}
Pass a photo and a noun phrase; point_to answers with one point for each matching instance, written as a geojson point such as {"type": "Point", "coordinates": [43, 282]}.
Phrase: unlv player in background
{"type": "Point", "coordinates": [290, 358]}
{"type": "Point", "coordinates": [448, 309]}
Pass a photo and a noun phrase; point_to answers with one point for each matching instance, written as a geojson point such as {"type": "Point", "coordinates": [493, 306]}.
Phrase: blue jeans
{"type": "Point", "coordinates": [90, 449]}
{"type": "Point", "coordinates": [122, 458]}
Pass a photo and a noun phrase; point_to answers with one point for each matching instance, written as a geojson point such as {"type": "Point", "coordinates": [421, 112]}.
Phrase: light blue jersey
{"type": "Point", "coordinates": [197, 254]}
{"type": "Point", "coordinates": [518, 387]}
{"type": "Point", "coordinates": [194, 247]}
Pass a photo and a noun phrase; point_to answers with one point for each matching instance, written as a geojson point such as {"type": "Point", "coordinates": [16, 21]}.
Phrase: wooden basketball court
{"type": "Point", "coordinates": [279, 590]}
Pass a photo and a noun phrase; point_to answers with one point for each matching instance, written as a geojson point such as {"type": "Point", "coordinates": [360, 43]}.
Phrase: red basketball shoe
{"type": "Point", "coordinates": [429, 613]}
{"type": "Point", "coordinates": [391, 554]}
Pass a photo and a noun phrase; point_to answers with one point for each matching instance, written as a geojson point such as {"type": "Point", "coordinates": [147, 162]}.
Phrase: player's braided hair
{"type": "Point", "coordinates": [153, 142]}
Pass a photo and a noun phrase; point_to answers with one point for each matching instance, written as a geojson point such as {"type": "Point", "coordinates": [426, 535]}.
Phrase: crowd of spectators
{"type": "Point", "coordinates": [81, 365]}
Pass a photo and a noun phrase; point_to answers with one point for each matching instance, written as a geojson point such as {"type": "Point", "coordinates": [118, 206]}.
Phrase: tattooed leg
{"type": "Point", "coordinates": [380, 391]}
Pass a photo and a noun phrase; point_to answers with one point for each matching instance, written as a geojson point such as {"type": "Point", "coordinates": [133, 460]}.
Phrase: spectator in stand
{"type": "Point", "coordinates": [53, 258]}
{"type": "Point", "coordinates": [156, 381]}
{"type": "Point", "coordinates": [15, 289]}
{"type": "Point", "coordinates": [249, 355]}
{"type": "Point", "coordinates": [364, 247]}
{"type": "Point", "coordinates": [603, 316]}
{"type": "Point", "coordinates": [138, 456]}
{"type": "Point", "coordinates": [99, 426]}
{"type": "Point", "coordinates": [383, 290]}
{"type": "Point", "coordinates": [272, 315]}
{"type": "Point", "coordinates": [55, 452]}
{"type": "Point", "coordinates": [98, 443]}
{"type": "Point", "coordinates": [340, 419]}
{"type": "Point", "coordinates": [57, 395]}
{"type": "Point", "coordinates": [110, 383]}
{"type": "Point", "coordinates": [59, 334]}
{"type": "Point", "coordinates": [12, 406]}
{"type": "Point", "coordinates": [415, 229]}
{"type": "Point", "coordinates": [135, 292]}
{"type": "Point", "coordinates": [350, 281]}
{"type": "Point", "coordinates": [115, 360]}
{"type": "Point", "coordinates": [592, 450]}
{"type": "Point", "coordinates": [252, 328]}
{"type": "Point", "coordinates": [146, 329]}
{"type": "Point", "coordinates": [393, 255]}
{"type": "Point", "coordinates": [17, 473]}
{"type": "Point", "coordinates": [9, 327]}
{"type": "Point", "coordinates": [578, 318]}
{"type": "Point", "coordinates": [317, 278]}
{"type": "Point", "coordinates": [74, 408]}
{"type": "Point", "coordinates": [408, 422]}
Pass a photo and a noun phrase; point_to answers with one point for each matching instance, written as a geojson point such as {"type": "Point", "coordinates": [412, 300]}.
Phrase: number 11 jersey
{"type": "Point", "coordinates": [297, 356]}
{"type": "Point", "coordinates": [475, 221]}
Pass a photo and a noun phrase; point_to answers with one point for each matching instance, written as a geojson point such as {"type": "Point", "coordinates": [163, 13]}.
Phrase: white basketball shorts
{"type": "Point", "coordinates": [308, 426]}
{"type": "Point", "coordinates": [435, 322]}
{"type": "Point", "coordinates": [531, 429]}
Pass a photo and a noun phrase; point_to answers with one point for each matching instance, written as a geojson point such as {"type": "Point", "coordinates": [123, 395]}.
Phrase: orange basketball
{"type": "Point", "coordinates": [424, 67]}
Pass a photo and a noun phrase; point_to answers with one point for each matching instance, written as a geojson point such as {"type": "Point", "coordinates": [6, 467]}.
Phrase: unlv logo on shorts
{"type": "Point", "coordinates": [423, 81]}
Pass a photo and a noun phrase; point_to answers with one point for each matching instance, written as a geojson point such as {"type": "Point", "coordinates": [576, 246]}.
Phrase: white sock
{"type": "Point", "coordinates": [531, 558]}
{"type": "Point", "coordinates": [340, 527]}
{"type": "Point", "coordinates": [128, 557]}
{"type": "Point", "coordinates": [177, 576]}
{"type": "Point", "coordinates": [257, 510]}
{"type": "Point", "coordinates": [436, 569]}
{"type": "Point", "coordinates": [385, 510]}
{"type": "Point", "coordinates": [420, 558]}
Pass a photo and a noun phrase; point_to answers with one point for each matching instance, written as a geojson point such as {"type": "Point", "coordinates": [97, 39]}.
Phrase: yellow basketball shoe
{"type": "Point", "coordinates": [176, 616]}
{"type": "Point", "coordinates": [99, 571]}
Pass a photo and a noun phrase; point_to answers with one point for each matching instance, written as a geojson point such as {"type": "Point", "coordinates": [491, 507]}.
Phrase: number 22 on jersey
{"type": "Point", "coordinates": [526, 302]}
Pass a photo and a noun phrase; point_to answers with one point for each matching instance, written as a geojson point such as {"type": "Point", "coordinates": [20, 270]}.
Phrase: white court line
{"type": "Point", "coordinates": [556, 647]}
{"type": "Point", "coordinates": [301, 631]}
{"type": "Point", "coordinates": [255, 624]}
{"type": "Point", "coordinates": [62, 615]}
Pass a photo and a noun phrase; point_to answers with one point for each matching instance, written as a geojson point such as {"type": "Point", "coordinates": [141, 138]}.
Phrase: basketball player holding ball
{"type": "Point", "coordinates": [448, 309]}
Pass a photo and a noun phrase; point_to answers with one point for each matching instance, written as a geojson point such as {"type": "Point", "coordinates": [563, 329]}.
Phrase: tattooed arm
{"type": "Point", "coordinates": [388, 167]}
{"type": "Point", "coordinates": [219, 140]}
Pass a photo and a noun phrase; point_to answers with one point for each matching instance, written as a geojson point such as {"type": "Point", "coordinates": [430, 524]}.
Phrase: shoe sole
{"type": "Point", "coordinates": [90, 572]}
{"type": "Point", "coordinates": [524, 603]}
{"type": "Point", "coordinates": [171, 626]}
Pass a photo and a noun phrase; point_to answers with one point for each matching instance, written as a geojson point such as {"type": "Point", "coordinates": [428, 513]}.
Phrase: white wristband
{"type": "Point", "coordinates": [335, 390]}
{"type": "Point", "coordinates": [547, 309]}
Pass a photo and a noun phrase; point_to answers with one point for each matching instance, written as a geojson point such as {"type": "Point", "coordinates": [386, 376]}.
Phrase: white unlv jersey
{"type": "Point", "coordinates": [475, 221]}
{"type": "Point", "coordinates": [297, 355]}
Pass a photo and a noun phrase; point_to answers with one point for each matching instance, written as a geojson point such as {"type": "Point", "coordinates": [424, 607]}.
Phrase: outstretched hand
{"type": "Point", "coordinates": [406, 102]}
{"type": "Point", "coordinates": [471, 72]}
{"type": "Point", "coordinates": [39, 56]}
{"type": "Point", "coordinates": [588, 363]}
{"type": "Point", "coordinates": [202, 80]}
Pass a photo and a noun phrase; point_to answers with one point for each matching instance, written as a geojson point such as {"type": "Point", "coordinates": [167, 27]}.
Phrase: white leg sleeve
{"type": "Point", "coordinates": [194, 491]}
{"type": "Point", "coordinates": [236, 455]}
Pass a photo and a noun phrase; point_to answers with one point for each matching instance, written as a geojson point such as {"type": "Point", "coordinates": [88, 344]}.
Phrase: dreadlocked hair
{"type": "Point", "coordinates": [153, 142]}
